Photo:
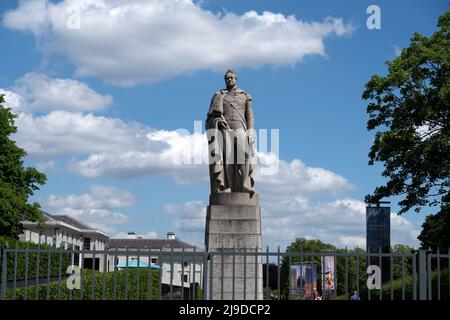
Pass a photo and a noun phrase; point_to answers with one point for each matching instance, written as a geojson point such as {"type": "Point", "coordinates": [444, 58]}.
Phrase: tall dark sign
{"type": "Point", "coordinates": [378, 237]}
{"type": "Point", "coordinates": [378, 226]}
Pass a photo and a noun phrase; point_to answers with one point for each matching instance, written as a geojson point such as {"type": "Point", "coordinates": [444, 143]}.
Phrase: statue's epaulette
{"type": "Point", "coordinates": [249, 97]}
{"type": "Point", "coordinates": [240, 91]}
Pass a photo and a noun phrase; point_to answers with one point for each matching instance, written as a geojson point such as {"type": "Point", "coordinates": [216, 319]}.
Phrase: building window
{"type": "Point", "coordinates": [154, 260]}
{"type": "Point", "coordinates": [185, 264]}
{"type": "Point", "coordinates": [76, 256]}
{"type": "Point", "coordinates": [87, 244]}
{"type": "Point", "coordinates": [184, 278]}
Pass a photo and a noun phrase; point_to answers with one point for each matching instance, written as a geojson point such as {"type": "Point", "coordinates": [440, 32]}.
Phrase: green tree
{"type": "Point", "coordinates": [294, 251]}
{"type": "Point", "coordinates": [351, 271]}
{"type": "Point", "coordinates": [399, 265]}
{"type": "Point", "coordinates": [410, 107]}
{"type": "Point", "coordinates": [17, 183]}
{"type": "Point", "coordinates": [435, 231]}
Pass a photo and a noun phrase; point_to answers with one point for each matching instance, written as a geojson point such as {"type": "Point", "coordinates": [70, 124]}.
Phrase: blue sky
{"type": "Point", "coordinates": [101, 86]}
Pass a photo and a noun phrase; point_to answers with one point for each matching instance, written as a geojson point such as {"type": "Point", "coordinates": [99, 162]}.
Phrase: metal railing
{"type": "Point", "coordinates": [148, 274]}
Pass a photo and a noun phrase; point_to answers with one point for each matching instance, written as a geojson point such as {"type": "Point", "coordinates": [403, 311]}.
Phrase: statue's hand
{"type": "Point", "coordinates": [251, 137]}
{"type": "Point", "coordinates": [223, 125]}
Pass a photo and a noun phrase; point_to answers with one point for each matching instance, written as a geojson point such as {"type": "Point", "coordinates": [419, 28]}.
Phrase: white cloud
{"type": "Point", "coordinates": [166, 152]}
{"type": "Point", "coordinates": [100, 196]}
{"type": "Point", "coordinates": [295, 177]}
{"type": "Point", "coordinates": [188, 220]}
{"type": "Point", "coordinates": [12, 100]}
{"type": "Point", "coordinates": [125, 235]}
{"type": "Point", "coordinates": [147, 41]}
{"type": "Point", "coordinates": [32, 16]}
{"type": "Point", "coordinates": [340, 222]}
{"type": "Point", "coordinates": [66, 133]}
{"type": "Point", "coordinates": [291, 177]}
{"type": "Point", "coordinates": [94, 216]}
{"type": "Point", "coordinates": [46, 166]}
{"type": "Point", "coordinates": [94, 208]}
{"type": "Point", "coordinates": [188, 217]}
{"type": "Point", "coordinates": [353, 241]}
{"type": "Point", "coordinates": [113, 232]}
{"type": "Point", "coordinates": [174, 158]}
{"type": "Point", "coordinates": [428, 130]}
{"type": "Point", "coordinates": [291, 207]}
{"type": "Point", "coordinates": [405, 232]}
{"type": "Point", "coordinates": [116, 149]}
{"type": "Point", "coordinates": [41, 93]}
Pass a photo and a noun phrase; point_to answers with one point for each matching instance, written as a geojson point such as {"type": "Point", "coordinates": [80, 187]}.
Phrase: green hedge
{"type": "Point", "coordinates": [397, 289]}
{"type": "Point", "coordinates": [33, 260]}
{"type": "Point", "coordinates": [50, 291]}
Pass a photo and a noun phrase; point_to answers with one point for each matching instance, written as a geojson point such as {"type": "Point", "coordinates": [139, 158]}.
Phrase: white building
{"type": "Point", "coordinates": [186, 269]}
{"type": "Point", "coordinates": [62, 231]}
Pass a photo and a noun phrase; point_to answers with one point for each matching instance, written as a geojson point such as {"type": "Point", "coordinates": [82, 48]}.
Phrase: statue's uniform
{"type": "Point", "coordinates": [234, 172]}
{"type": "Point", "coordinates": [237, 109]}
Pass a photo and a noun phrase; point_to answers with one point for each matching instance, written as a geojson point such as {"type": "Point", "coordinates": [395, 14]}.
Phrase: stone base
{"type": "Point", "coordinates": [233, 224]}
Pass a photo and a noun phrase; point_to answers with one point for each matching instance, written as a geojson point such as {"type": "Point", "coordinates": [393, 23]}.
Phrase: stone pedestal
{"type": "Point", "coordinates": [233, 224]}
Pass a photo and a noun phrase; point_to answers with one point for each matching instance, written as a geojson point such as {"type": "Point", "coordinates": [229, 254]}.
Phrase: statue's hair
{"type": "Point", "coordinates": [230, 71]}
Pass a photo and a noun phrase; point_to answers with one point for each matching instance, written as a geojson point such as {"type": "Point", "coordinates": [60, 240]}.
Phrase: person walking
{"type": "Point", "coordinates": [355, 296]}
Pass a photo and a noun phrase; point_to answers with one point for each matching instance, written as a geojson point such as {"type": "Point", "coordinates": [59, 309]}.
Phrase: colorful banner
{"type": "Point", "coordinates": [304, 280]}
{"type": "Point", "coordinates": [328, 275]}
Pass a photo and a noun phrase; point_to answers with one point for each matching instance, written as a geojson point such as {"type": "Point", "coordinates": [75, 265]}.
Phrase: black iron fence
{"type": "Point", "coordinates": [146, 274]}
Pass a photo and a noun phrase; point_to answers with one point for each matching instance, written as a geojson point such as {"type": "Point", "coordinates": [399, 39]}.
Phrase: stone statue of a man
{"type": "Point", "coordinates": [231, 136]}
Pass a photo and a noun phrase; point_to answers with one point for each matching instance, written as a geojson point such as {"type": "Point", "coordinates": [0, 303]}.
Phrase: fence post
{"type": "Point", "coordinates": [205, 276]}
{"type": "Point", "coordinates": [422, 274]}
{"type": "Point", "coordinates": [4, 266]}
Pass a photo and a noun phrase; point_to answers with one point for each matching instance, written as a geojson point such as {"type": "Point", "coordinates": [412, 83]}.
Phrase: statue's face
{"type": "Point", "coordinates": [230, 79]}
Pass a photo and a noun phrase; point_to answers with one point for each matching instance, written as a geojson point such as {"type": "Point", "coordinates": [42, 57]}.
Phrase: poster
{"type": "Point", "coordinates": [303, 280]}
{"type": "Point", "coordinates": [328, 277]}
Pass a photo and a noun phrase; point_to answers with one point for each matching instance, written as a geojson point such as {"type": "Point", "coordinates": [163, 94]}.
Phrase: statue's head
{"type": "Point", "coordinates": [230, 78]}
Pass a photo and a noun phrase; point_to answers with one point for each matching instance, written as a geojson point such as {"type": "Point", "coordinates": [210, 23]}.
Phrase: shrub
{"type": "Point", "coordinates": [397, 289]}
{"type": "Point", "coordinates": [46, 253]}
{"type": "Point", "coordinates": [126, 285]}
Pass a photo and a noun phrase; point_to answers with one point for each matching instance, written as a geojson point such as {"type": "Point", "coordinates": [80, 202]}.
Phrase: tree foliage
{"type": "Point", "coordinates": [410, 107]}
{"type": "Point", "coordinates": [295, 249]}
{"type": "Point", "coordinates": [17, 183]}
{"type": "Point", "coordinates": [436, 231]}
{"type": "Point", "coordinates": [351, 265]}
